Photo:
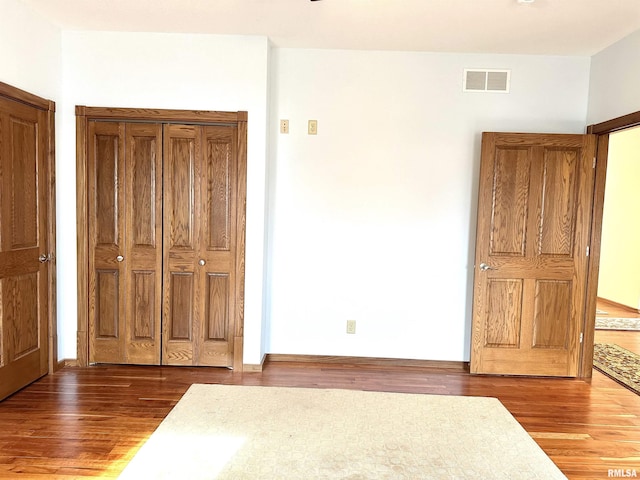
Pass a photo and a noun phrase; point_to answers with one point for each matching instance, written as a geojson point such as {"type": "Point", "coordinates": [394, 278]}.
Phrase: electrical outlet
{"type": "Point", "coordinates": [351, 326]}
{"type": "Point", "coordinates": [284, 126]}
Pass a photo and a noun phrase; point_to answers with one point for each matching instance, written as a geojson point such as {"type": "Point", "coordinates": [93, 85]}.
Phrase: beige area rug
{"type": "Point", "coordinates": [611, 323]}
{"type": "Point", "coordinates": [241, 432]}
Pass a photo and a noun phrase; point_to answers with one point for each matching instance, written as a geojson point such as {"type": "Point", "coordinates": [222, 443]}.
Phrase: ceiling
{"type": "Point", "coordinates": [547, 27]}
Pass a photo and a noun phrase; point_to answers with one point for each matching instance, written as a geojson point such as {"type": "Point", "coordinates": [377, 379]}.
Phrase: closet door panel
{"type": "Point", "coordinates": [182, 150]}
{"type": "Point", "coordinates": [106, 170]}
{"type": "Point", "coordinates": [199, 207]}
{"type": "Point", "coordinates": [107, 318]}
{"type": "Point", "coordinates": [180, 191]}
{"type": "Point", "coordinates": [217, 308]}
{"type": "Point", "coordinates": [144, 312]}
{"type": "Point", "coordinates": [217, 245]}
{"type": "Point", "coordinates": [219, 159]}
{"type": "Point", "coordinates": [143, 254]}
{"type": "Point", "coordinates": [125, 283]}
{"type": "Point", "coordinates": [181, 314]}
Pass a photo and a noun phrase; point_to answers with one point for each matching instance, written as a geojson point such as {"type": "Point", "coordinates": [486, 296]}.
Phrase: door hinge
{"type": "Point", "coordinates": [587, 250]}
{"type": "Point", "coordinates": [594, 162]}
{"type": "Point", "coordinates": [581, 337]}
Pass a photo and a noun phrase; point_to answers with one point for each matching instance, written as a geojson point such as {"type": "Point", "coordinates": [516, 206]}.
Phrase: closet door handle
{"type": "Point", "coordinates": [119, 258]}
{"type": "Point", "coordinates": [202, 262]}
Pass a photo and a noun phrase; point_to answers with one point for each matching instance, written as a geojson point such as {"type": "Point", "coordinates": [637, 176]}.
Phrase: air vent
{"type": "Point", "coordinates": [486, 80]}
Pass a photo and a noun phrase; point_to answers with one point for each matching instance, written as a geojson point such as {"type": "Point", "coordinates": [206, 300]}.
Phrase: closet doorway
{"type": "Point", "coordinates": [161, 235]}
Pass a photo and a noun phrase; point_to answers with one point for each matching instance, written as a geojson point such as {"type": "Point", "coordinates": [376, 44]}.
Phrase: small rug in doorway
{"type": "Point", "coordinates": [606, 323]}
{"type": "Point", "coordinates": [618, 363]}
{"type": "Point", "coordinates": [247, 432]}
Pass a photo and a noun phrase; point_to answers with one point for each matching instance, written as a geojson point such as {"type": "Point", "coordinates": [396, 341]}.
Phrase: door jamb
{"type": "Point", "coordinates": [602, 131]}
{"type": "Point", "coordinates": [83, 115]}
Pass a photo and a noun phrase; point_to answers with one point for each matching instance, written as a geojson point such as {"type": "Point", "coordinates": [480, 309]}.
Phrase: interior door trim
{"type": "Point", "coordinates": [602, 131]}
{"type": "Point", "coordinates": [84, 114]}
{"type": "Point", "coordinates": [619, 123]}
{"type": "Point", "coordinates": [18, 95]}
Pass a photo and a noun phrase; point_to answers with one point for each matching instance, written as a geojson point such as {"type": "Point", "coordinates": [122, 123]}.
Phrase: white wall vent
{"type": "Point", "coordinates": [476, 80]}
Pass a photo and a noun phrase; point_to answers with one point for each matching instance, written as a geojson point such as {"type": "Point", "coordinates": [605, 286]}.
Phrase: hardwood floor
{"type": "Point", "coordinates": [628, 340]}
{"type": "Point", "coordinates": [89, 422]}
{"type": "Point", "coordinates": [612, 309]}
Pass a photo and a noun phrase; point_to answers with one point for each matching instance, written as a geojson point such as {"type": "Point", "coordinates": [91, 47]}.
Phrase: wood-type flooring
{"type": "Point", "coordinates": [628, 340]}
{"type": "Point", "coordinates": [89, 422]}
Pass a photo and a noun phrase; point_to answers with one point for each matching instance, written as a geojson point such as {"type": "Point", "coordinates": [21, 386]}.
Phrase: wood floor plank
{"type": "Point", "coordinates": [89, 422]}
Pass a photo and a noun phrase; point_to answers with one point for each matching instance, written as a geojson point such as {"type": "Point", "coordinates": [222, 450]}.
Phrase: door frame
{"type": "Point", "coordinates": [48, 106]}
{"type": "Point", "coordinates": [602, 131]}
{"type": "Point", "coordinates": [84, 114]}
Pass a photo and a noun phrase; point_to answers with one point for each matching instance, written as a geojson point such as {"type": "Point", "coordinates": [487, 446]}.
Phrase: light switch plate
{"type": "Point", "coordinates": [313, 127]}
{"type": "Point", "coordinates": [284, 126]}
{"type": "Point", "coordinates": [351, 326]}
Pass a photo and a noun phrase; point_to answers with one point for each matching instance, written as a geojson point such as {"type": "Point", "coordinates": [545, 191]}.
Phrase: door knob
{"type": "Point", "coordinates": [202, 262]}
{"type": "Point", "coordinates": [119, 258]}
{"type": "Point", "coordinates": [44, 258]}
{"type": "Point", "coordinates": [484, 267]}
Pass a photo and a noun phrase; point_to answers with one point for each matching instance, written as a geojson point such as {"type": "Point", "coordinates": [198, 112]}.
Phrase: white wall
{"type": "Point", "coordinates": [201, 72]}
{"type": "Point", "coordinates": [31, 56]}
{"type": "Point", "coordinates": [615, 80]}
{"type": "Point", "coordinates": [619, 278]}
{"type": "Point", "coordinates": [30, 53]}
{"type": "Point", "coordinates": [373, 219]}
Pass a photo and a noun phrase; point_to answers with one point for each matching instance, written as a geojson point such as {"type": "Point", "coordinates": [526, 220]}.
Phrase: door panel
{"type": "Point", "coordinates": [144, 313]}
{"type": "Point", "coordinates": [217, 245]}
{"type": "Point", "coordinates": [534, 212]}
{"type": "Point", "coordinates": [552, 314]}
{"type": "Point", "coordinates": [142, 263]}
{"type": "Point", "coordinates": [22, 172]}
{"type": "Point", "coordinates": [181, 314]}
{"type": "Point", "coordinates": [125, 211]}
{"type": "Point", "coordinates": [24, 289]}
{"type": "Point", "coordinates": [218, 192]}
{"type": "Point", "coordinates": [21, 316]}
{"type": "Point", "coordinates": [107, 302]}
{"type": "Point", "coordinates": [199, 233]}
{"type": "Point", "coordinates": [182, 149]}
{"type": "Point", "coordinates": [559, 197]}
{"type": "Point", "coordinates": [181, 188]}
{"type": "Point", "coordinates": [217, 307]}
{"type": "Point", "coordinates": [505, 312]}
{"type": "Point", "coordinates": [510, 201]}
{"type": "Point", "coordinates": [106, 151]}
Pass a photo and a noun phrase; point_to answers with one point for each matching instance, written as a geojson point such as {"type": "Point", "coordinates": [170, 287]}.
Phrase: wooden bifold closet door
{"type": "Point", "coordinates": [199, 245]}
{"type": "Point", "coordinates": [162, 204]}
{"type": "Point", "coordinates": [125, 238]}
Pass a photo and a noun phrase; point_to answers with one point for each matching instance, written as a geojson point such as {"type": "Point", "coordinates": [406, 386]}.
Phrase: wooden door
{"type": "Point", "coordinates": [200, 233]}
{"type": "Point", "coordinates": [534, 215]}
{"type": "Point", "coordinates": [125, 242]}
{"type": "Point", "coordinates": [24, 245]}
